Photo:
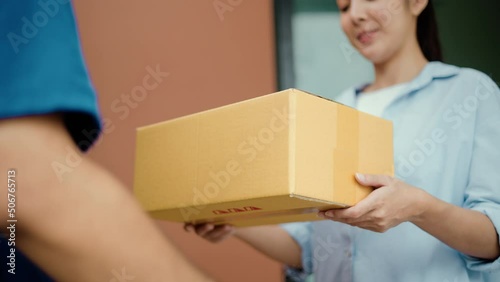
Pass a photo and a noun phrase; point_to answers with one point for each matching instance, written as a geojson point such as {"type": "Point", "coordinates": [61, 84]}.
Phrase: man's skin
{"type": "Point", "coordinates": [86, 227]}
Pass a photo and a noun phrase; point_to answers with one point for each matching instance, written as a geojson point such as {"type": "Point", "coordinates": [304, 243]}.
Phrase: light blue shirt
{"type": "Point", "coordinates": [447, 142]}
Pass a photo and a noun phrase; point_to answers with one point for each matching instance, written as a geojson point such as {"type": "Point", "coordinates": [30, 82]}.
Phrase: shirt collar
{"type": "Point", "coordinates": [431, 71]}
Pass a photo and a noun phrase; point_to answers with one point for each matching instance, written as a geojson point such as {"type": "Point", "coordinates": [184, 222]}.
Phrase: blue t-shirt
{"type": "Point", "coordinates": [42, 71]}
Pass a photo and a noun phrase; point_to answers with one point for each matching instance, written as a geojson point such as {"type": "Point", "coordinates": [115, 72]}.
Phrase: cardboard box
{"type": "Point", "coordinates": [272, 159]}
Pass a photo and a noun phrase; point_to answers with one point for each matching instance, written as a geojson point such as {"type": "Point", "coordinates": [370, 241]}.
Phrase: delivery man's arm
{"type": "Point", "coordinates": [86, 227]}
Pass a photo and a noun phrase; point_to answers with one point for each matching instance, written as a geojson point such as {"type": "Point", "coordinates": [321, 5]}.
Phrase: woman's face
{"type": "Point", "coordinates": [378, 29]}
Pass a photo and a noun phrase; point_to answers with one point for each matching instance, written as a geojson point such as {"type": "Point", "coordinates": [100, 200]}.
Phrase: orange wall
{"type": "Point", "coordinates": [211, 61]}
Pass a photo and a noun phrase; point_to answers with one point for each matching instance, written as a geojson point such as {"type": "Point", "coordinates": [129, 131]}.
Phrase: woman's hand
{"type": "Point", "coordinates": [391, 203]}
{"type": "Point", "coordinates": [210, 232]}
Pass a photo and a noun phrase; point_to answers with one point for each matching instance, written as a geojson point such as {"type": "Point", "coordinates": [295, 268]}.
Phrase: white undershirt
{"type": "Point", "coordinates": [377, 101]}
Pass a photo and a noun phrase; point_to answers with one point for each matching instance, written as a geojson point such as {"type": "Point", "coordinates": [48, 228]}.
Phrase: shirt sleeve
{"type": "Point", "coordinates": [483, 191]}
{"type": "Point", "coordinates": [43, 70]}
{"type": "Point", "coordinates": [301, 233]}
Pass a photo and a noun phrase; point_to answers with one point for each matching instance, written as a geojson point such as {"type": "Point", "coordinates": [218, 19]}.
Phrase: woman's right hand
{"type": "Point", "coordinates": [211, 232]}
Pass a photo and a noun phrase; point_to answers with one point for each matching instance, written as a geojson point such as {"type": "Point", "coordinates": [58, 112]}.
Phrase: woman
{"type": "Point", "coordinates": [441, 215]}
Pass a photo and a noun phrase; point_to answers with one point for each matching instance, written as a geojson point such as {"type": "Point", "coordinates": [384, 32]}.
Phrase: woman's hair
{"type": "Point", "coordinates": [427, 34]}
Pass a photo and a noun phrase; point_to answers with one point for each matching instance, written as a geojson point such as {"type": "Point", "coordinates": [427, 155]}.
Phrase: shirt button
{"type": "Point", "coordinates": [348, 254]}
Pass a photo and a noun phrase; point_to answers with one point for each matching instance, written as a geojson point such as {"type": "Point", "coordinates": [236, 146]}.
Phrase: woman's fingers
{"type": "Point", "coordinates": [203, 229]}
{"type": "Point", "coordinates": [219, 233]}
{"type": "Point", "coordinates": [211, 232]}
{"type": "Point", "coordinates": [189, 227]}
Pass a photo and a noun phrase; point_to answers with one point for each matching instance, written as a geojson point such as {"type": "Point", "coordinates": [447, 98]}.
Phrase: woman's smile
{"type": "Point", "coordinates": [367, 37]}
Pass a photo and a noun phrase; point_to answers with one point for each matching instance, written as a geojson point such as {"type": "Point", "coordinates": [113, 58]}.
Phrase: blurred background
{"type": "Point", "coordinates": [218, 52]}
{"type": "Point", "coordinates": [317, 57]}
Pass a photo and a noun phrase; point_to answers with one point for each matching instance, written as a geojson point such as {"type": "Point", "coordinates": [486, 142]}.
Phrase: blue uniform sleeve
{"type": "Point", "coordinates": [483, 191]}
{"type": "Point", "coordinates": [42, 68]}
{"type": "Point", "coordinates": [42, 72]}
{"type": "Point", "coordinates": [301, 233]}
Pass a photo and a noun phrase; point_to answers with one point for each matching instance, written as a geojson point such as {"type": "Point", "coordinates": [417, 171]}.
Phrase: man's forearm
{"type": "Point", "coordinates": [97, 234]}
{"type": "Point", "coordinates": [86, 227]}
{"type": "Point", "coordinates": [467, 231]}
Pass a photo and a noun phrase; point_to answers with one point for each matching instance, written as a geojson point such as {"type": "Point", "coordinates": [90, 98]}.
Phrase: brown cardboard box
{"type": "Point", "coordinates": [272, 159]}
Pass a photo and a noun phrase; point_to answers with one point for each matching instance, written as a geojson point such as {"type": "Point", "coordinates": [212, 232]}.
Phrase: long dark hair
{"type": "Point", "coordinates": [427, 34]}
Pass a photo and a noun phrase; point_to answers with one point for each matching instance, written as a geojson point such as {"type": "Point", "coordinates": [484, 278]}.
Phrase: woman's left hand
{"type": "Point", "coordinates": [391, 203]}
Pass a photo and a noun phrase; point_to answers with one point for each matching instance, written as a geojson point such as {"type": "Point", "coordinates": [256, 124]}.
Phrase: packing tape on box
{"type": "Point", "coordinates": [348, 158]}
